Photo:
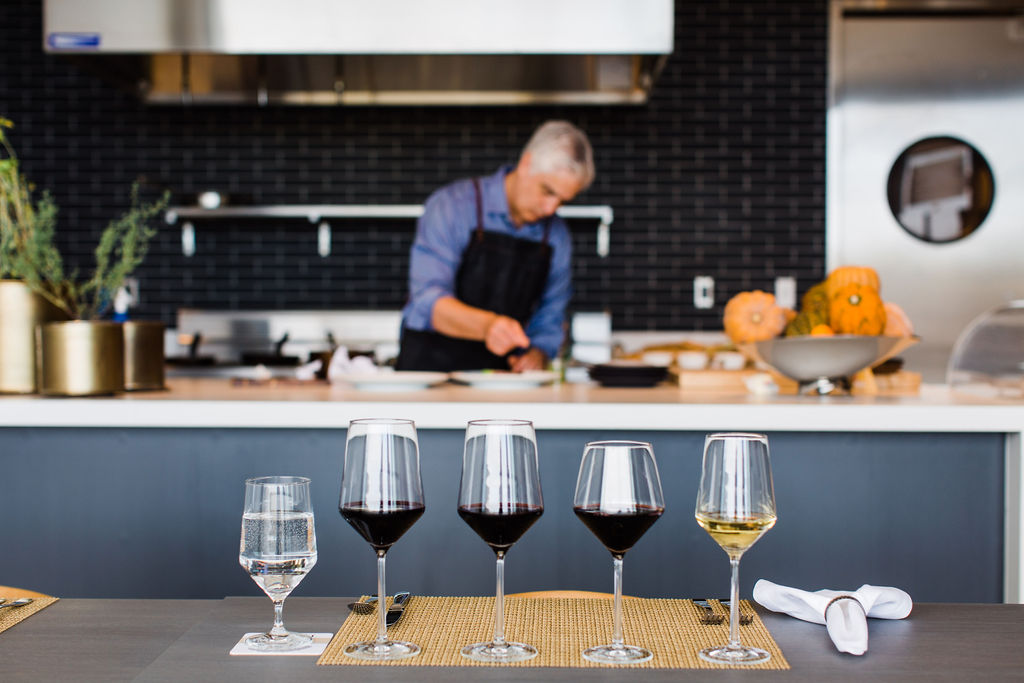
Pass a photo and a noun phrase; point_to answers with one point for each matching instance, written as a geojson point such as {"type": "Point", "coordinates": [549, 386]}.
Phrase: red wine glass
{"type": "Point", "coordinates": [500, 498]}
{"type": "Point", "coordinates": [381, 497]}
{"type": "Point", "coordinates": [618, 497]}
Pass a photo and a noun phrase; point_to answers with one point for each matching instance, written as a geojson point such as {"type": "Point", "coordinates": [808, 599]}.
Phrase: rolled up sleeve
{"type": "Point", "coordinates": [433, 262]}
{"type": "Point", "coordinates": [545, 327]}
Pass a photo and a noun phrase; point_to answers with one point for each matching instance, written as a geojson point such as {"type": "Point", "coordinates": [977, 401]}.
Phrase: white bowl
{"type": "Point", "coordinates": [728, 360]}
{"type": "Point", "coordinates": [692, 360]}
{"type": "Point", "coordinates": [659, 358]}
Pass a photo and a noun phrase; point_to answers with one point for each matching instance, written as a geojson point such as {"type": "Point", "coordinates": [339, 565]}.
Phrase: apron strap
{"type": "Point", "coordinates": [479, 210]}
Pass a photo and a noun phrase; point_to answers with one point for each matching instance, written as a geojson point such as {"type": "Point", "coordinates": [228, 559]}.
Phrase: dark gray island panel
{"type": "Point", "coordinates": [130, 513]}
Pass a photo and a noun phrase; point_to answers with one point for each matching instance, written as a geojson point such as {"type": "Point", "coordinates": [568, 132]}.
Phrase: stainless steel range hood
{"type": "Point", "coordinates": [382, 52]}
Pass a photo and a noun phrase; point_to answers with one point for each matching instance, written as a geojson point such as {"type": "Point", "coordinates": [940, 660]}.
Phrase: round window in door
{"type": "Point", "coordinates": [940, 189]}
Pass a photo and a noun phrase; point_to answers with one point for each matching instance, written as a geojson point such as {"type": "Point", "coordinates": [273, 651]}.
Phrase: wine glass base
{"type": "Point", "coordinates": [734, 655]}
{"type": "Point", "coordinates": [495, 652]}
{"type": "Point", "coordinates": [265, 642]}
{"type": "Point", "coordinates": [617, 654]}
{"type": "Point", "coordinates": [387, 651]}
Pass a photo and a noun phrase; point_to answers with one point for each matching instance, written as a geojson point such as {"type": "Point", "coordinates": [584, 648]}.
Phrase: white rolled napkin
{"type": "Point", "coordinates": [308, 371]}
{"type": "Point", "coordinates": [844, 613]}
{"type": "Point", "coordinates": [342, 365]}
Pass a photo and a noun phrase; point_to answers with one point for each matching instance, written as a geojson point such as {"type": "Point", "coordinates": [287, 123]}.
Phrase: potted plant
{"type": "Point", "coordinates": [21, 309]}
{"type": "Point", "coordinates": [84, 354]}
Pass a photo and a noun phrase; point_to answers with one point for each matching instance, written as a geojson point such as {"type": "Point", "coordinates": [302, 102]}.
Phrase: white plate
{"type": "Point", "coordinates": [496, 379]}
{"type": "Point", "coordinates": [400, 380]}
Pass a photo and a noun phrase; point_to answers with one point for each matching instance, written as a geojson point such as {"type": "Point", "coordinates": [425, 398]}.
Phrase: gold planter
{"type": "Point", "coordinates": [80, 358]}
{"type": "Point", "coordinates": [143, 355]}
{"type": "Point", "coordinates": [21, 311]}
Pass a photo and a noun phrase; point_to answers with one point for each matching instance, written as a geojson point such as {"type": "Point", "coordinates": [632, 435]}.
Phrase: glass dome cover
{"type": "Point", "coordinates": [988, 357]}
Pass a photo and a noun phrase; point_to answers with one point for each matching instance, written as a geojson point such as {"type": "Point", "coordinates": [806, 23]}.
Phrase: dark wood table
{"type": "Point", "coordinates": [188, 640]}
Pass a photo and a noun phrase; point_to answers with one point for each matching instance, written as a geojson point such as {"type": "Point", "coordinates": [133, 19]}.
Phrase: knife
{"type": "Point", "coordinates": [397, 608]}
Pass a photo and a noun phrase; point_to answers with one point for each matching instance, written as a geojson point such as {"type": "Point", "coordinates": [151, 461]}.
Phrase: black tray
{"type": "Point", "coordinates": [628, 375]}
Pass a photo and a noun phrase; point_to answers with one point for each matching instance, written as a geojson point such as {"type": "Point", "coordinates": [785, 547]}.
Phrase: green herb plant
{"type": "Point", "coordinates": [20, 220]}
{"type": "Point", "coordinates": [28, 250]}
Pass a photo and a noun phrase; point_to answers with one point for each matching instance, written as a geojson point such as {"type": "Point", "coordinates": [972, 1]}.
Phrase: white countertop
{"type": "Point", "coordinates": [191, 402]}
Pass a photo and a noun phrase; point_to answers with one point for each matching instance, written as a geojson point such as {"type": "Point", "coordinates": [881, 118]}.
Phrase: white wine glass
{"type": "Point", "coordinates": [381, 498]}
{"type": "Point", "coordinates": [278, 548]}
{"type": "Point", "coordinates": [500, 498]}
{"type": "Point", "coordinates": [618, 497]}
{"type": "Point", "coordinates": [735, 505]}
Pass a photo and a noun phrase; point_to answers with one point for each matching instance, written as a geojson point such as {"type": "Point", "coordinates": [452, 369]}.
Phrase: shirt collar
{"type": "Point", "coordinates": [495, 200]}
{"type": "Point", "coordinates": [492, 188]}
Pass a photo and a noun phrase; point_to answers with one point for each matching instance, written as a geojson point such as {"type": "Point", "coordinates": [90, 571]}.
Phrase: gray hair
{"type": "Point", "coordinates": [561, 146]}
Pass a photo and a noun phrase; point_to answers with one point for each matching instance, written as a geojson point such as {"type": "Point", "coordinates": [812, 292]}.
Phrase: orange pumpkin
{"type": "Point", "coordinates": [846, 275]}
{"type": "Point", "coordinates": [822, 331]}
{"type": "Point", "coordinates": [897, 322]}
{"type": "Point", "coordinates": [753, 316]}
{"type": "Point", "coordinates": [857, 309]}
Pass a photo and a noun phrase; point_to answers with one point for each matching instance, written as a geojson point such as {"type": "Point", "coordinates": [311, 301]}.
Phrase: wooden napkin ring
{"type": "Point", "coordinates": [841, 597]}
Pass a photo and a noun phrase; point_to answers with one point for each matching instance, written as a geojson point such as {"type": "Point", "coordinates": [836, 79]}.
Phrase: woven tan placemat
{"type": "Point", "coordinates": [560, 629]}
{"type": "Point", "coordinates": [9, 616]}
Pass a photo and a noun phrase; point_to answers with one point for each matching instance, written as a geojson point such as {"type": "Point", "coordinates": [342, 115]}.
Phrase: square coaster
{"type": "Point", "coordinates": [320, 641]}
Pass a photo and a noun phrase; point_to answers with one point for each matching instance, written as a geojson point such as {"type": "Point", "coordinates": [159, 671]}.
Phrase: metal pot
{"type": "Point", "coordinates": [143, 355]}
{"type": "Point", "coordinates": [80, 358]}
{"type": "Point", "coordinates": [21, 310]}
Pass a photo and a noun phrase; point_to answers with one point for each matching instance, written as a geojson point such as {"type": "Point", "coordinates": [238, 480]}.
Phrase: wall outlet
{"type": "Point", "coordinates": [703, 291]}
{"type": "Point", "coordinates": [785, 292]}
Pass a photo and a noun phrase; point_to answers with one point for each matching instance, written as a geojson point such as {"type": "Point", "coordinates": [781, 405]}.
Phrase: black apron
{"type": "Point", "coordinates": [498, 273]}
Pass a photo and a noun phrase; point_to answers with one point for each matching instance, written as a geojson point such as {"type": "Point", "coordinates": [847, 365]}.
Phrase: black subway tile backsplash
{"type": "Point", "coordinates": [721, 173]}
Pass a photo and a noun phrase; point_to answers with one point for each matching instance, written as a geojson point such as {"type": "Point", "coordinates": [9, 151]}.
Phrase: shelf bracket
{"type": "Point", "coordinates": [188, 239]}
{"type": "Point", "coordinates": [323, 239]}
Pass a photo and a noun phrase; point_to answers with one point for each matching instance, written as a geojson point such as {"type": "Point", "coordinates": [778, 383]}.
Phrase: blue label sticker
{"type": "Point", "coordinates": [73, 41]}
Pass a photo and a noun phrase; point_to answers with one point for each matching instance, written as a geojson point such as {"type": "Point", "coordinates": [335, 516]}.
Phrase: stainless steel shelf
{"type": "Point", "coordinates": [319, 213]}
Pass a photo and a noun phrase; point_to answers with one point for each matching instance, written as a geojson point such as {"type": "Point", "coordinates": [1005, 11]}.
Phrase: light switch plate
{"type": "Point", "coordinates": [703, 291]}
{"type": "Point", "coordinates": [785, 292]}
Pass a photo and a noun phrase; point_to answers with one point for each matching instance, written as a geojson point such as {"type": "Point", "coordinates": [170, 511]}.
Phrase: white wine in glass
{"type": "Point", "coordinates": [278, 548]}
{"type": "Point", "coordinates": [735, 505]}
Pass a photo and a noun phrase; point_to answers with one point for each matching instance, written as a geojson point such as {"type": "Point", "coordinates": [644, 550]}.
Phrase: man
{"type": "Point", "coordinates": [489, 271]}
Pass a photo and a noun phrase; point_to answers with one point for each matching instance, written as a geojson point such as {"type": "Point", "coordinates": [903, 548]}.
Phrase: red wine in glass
{"type": "Point", "coordinates": [501, 529]}
{"type": "Point", "coordinates": [618, 531]}
{"type": "Point", "coordinates": [500, 499]}
{"type": "Point", "coordinates": [382, 528]}
{"type": "Point", "coordinates": [618, 497]}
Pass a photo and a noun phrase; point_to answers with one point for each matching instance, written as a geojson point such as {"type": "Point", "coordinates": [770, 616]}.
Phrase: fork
{"type": "Point", "coordinates": [366, 607]}
{"type": "Point", "coordinates": [745, 619]}
{"type": "Point", "coordinates": [708, 616]}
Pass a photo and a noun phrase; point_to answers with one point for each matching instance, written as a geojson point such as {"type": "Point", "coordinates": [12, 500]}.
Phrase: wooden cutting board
{"type": "Point", "coordinates": [901, 383]}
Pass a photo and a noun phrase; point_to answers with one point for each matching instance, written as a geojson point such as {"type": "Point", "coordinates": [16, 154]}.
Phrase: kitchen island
{"type": "Point", "coordinates": [144, 490]}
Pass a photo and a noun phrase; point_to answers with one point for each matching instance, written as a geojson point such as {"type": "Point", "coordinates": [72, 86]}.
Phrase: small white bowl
{"type": "Point", "coordinates": [728, 360]}
{"type": "Point", "coordinates": [692, 360]}
{"type": "Point", "coordinates": [662, 359]}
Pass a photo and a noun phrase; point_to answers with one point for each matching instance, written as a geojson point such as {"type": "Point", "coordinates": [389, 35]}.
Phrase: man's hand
{"type": "Point", "coordinates": [533, 359]}
{"type": "Point", "coordinates": [504, 334]}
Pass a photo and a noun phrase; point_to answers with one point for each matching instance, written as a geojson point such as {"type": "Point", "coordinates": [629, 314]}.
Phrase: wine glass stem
{"type": "Point", "coordinates": [499, 602]}
{"type": "Point", "coordinates": [382, 627]}
{"type": "Point", "coordinates": [734, 604]}
{"type": "Point", "coordinates": [278, 630]}
{"type": "Point", "coordinates": [617, 603]}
